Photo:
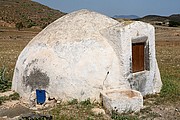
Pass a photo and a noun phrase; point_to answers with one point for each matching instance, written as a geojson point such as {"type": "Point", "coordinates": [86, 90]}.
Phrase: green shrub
{"type": "Point", "coordinates": [5, 83]}
{"type": "Point", "coordinates": [14, 96]}
{"type": "Point", "coordinates": [173, 24]}
{"type": "Point", "coordinates": [3, 99]}
{"type": "Point", "coordinates": [19, 25]}
{"type": "Point", "coordinates": [73, 102]}
{"type": "Point", "coordinates": [116, 116]}
{"type": "Point", "coordinates": [86, 102]}
{"type": "Point", "coordinates": [31, 24]}
{"type": "Point", "coordinates": [44, 25]}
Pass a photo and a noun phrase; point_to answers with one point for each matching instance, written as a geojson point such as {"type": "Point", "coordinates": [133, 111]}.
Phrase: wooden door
{"type": "Point", "coordinates": [138, 57]}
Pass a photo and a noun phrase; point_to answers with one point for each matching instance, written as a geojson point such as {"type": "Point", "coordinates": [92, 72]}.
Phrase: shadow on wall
{"type": "Point", "coordinates": [36, 79]}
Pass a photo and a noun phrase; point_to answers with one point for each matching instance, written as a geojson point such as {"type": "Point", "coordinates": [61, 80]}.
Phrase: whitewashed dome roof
{"type": "Point", "coordinates": [75, 27]}
{"type": "Point", "coordinates": [72, 58]}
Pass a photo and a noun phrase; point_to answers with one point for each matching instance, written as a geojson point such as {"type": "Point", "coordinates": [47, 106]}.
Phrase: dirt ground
{"type": "Point", "coordinates": [167, 43]}
{"type": "Point", "coordinates": [13, 109]}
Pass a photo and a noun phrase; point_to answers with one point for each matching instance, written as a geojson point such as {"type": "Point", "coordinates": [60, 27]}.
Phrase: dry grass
{"type": "Point", "coordinates": [12, 43]}
{"type": "Point", "coordinates": [168, 55]}
{"type": "Point", "coordinates": [28, 12]}
{"type": "Point", "coordinates": [77, 111]}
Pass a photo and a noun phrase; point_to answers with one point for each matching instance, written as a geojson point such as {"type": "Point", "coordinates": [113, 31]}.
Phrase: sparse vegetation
{"type": "Point", "coordinates": [5, 83]}
{"type": "Point", "coordinates": [174, 24]}
{"type": "Point", "coordinates": [86, 102]}
{"type": "Point", "coordinates": [76, 111]}
{"type": "Point", "coordinates": [167, 52]}
{"type": "Point", "coordinates": [124, 116]}
{"type": "Point", "coordinates": [171, 21]}
{"type": "Point", "coordinates": [11, 44]}
{"type": "Point", "coordinates": [31, 23]}
{"type": "Point", "coordinates": [168, 61]}
{"type": "Point", "coordinates": [14, 96]}
{"type": "Point", "coordinates": [13, 12]}
{"type": "Point", "coordinates": [73, 102]}
{"type": "Point", "coordinates": [3, 99]}
{"type": "Point", "coordinates": [170, 89]}
{"type": "Point", "coordinates": [19, 25]}
{"type": "Point", "coordinates": [29, 13]}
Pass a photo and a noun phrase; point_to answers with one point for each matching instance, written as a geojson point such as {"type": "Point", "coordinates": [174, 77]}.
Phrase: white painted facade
{"type": "Point", "coordinates": [83, 53]}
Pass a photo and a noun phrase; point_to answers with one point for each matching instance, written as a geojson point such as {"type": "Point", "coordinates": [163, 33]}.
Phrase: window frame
{"type": "Point", "coordinates": [141, 39]}
{"type": "Point", "coordinates": [138, 57]}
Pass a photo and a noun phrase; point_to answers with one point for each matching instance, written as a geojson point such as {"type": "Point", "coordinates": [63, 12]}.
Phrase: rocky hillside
{"type": "Point", "coordinates": [175, 17]}
{"type": "Point", "coordinates": [27, 12]}
{"type": "Point", "coordinates": [153, 18]}
{"type": "Point", "coordinates": [172, 20]}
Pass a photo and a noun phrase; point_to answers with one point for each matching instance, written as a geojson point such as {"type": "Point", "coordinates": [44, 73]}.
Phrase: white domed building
{"type": "Point", "coordinates": [83, 53]}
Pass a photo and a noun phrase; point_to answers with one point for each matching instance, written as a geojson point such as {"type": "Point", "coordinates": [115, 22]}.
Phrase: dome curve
{"type": "Point", "coordinates": [69, 58]}
{"type": "Point", "coordinates": [75, 26]}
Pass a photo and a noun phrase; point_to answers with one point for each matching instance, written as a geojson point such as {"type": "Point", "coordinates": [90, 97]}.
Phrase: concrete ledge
{"type": "Point", "coordinates": [122, 100]}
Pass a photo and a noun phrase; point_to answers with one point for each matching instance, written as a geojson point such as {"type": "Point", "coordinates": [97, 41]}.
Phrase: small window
{"type": "Point", "coordinates": [138, 50]}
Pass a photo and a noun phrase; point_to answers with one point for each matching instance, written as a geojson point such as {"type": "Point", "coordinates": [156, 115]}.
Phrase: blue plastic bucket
{"type": "Point", "coordinates": [40, 96]}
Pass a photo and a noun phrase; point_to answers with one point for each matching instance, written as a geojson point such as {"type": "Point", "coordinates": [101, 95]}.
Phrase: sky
{"type": "Point", "coordinates": [117, 7]}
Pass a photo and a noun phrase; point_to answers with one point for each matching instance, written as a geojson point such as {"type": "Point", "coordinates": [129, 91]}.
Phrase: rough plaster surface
{"type": "Point", "coordinates": [122, 100]}
{"type": "Point", "coordinates": [83, 53]}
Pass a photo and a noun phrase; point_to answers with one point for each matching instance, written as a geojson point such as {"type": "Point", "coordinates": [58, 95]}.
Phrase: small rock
{"type": "Point", "coordinates": [33, 108]}
{"type": "Point", "coordinates": [39, 107]}
{"type": "Point", "coordinates": [59, 102]}
{"type": "Point", "coordinates": [47, 105]}
{"type": "Point", "coordinates": [98, 111]}
{"type": "Point", "coordinates": [15, 118]}
{"type": "Point", "coordinates": [4, 117]}
{"type": "Point", "coordinates": [176, 110]}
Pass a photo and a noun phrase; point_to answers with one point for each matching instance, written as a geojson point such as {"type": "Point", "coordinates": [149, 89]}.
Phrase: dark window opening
{"type": "Point", "coordinates": [138, 57]}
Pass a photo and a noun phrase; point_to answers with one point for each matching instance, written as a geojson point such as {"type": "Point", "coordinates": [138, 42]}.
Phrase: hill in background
{"type": "Point", "coordinates": [174, 17]}
{"type": "Point", "coordinates": [27, 12]}
{"type": "Point", "coordinates": [172, 20]}
{"type": "Point", "coordinates": [126, 16]}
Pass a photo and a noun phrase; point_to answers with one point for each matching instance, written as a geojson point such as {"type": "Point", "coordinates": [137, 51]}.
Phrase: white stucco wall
{"type": "Point", "coordinates": [72, 58]}
{"type": "Point", "coordinates": [121, 37]}
{"type": "Point", "coordinates": [81, 54]}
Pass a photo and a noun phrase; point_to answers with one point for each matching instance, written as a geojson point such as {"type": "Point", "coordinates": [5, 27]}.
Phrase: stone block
{"type": "Point", "coordinates": [122, 101]}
